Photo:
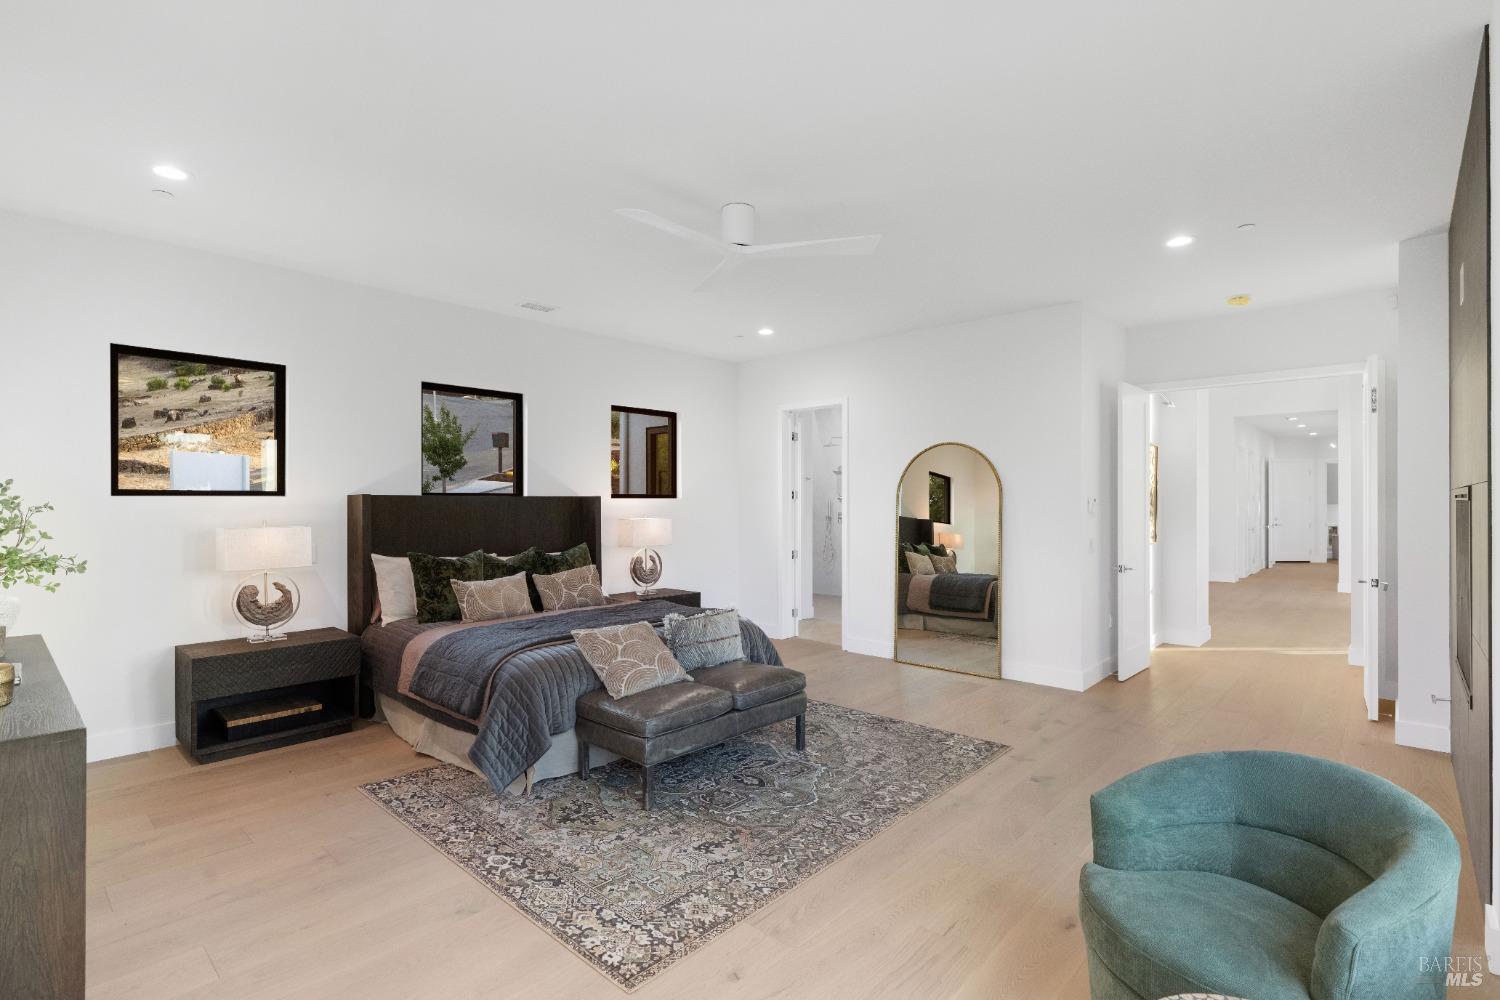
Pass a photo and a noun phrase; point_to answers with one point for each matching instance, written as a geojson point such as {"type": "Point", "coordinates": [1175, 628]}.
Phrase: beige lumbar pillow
{"type": "Point", "coordinates": [394, 588]}
{"type": "Point", "coordinates": [572, 588]}
{"type": "Point", "coordinates": [919, 564]}
{"type": "Point", "coordinates": [489, 600]}
{"type": "Point", "coordinates": [629, 658]}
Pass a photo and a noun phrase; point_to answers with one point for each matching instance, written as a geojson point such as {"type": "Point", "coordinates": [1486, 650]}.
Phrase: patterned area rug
{"type": "Point", "coordinates": [734, 827]}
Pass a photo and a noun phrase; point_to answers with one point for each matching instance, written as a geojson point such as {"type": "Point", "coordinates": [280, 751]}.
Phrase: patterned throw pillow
{"type": "Point", "coordinates": [488, 600]}
{"type": "Point", "coordinates": [919, 564]}
{"type": "Point", "coordinates": [431, 576]}
{"type": "Point", "coordinates": [944, 564]}
{"type": "Point", "coordinates": [575, 558]}
{"type": "Point", "coordinates": [572, 588]}
{"type": "Point", "coordinates": [629, 658]}
{"type": "Point", "coordinates": [705, 640]}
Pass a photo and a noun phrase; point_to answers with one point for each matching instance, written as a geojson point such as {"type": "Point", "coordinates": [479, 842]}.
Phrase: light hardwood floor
{"type": "Point", "coordinates": [273, 876]}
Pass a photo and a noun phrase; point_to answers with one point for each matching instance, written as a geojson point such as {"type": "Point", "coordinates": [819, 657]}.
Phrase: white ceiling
{"type": "Point", "coordinates": [1324, 422]}
{"type": "Point", "coordinates": [1013, 155]}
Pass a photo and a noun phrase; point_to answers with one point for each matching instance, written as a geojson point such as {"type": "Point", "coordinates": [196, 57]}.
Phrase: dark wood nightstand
{"type": "Point", "coordinates": [278, 693]}
{"type": "Point", "coordinates": [687, 598]}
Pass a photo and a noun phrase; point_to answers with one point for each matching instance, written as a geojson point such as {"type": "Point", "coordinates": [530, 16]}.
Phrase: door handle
{"type": "Point", "coordinates": [1435, 698]}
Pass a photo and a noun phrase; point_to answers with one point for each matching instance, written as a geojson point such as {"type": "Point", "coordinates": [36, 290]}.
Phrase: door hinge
{"type": "Point", "coordinates": [794, 435]}
{"type": "Point", "coordinates": [1374, 401]}
{"type": "Point", "coordinates": [794, 612]}
{"type": "Point", "coordinates": [794, 494]}
{"type": "Point", "coordinates": [794, 553]}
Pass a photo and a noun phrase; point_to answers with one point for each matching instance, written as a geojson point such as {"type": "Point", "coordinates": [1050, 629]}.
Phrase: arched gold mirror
{"type": "Point", "coordinates": [948, 514]}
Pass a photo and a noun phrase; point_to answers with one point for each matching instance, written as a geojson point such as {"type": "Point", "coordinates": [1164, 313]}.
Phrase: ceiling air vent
{"type": "Point", "coordinates": [537, 307]}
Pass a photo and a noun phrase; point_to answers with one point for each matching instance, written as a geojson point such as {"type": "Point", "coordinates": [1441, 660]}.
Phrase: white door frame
{"type": "Point", "coordinates": [1297, 374]}
{"type": "Point", "coordinates": [787, 533]}
{"type": "Point", "coordinates": [1133, 529]}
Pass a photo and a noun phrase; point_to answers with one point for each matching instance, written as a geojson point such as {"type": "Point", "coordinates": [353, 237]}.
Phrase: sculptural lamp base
{"type": "Point", "coordinates": [265, 602]}
{"type": "Point", "coordinates": [645, 571]}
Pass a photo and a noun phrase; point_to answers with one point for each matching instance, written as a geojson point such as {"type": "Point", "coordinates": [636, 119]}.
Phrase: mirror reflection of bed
{"type": "Point", "coordinates": [948, 561]}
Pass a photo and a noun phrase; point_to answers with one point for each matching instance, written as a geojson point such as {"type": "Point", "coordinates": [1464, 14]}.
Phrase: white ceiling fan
{"type": "Point", "coordinates": [736, 242]}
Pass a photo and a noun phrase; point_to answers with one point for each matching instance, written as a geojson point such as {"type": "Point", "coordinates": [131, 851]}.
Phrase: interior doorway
{"type": "Point", "coordinates": [1253, 505]}
{"type": "Point", "coordinates": [815, 522]}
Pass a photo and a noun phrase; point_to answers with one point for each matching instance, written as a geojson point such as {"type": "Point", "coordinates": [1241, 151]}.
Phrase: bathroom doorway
{"type": "Point", "coordinates": [816, 516]}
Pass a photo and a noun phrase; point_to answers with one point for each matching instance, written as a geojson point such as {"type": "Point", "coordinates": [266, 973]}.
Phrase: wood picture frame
{"type": "Point", "coordinates": [940, 497]}
{"type": "Point", "coordinates": [183, 417]}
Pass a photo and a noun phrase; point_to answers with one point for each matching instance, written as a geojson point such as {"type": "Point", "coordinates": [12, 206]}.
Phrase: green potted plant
{"type": "Point", "coordinates": [24, 557]}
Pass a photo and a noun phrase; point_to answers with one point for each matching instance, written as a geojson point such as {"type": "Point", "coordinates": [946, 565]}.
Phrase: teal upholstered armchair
{"type": "Point", "coordinates": [1268, 876]}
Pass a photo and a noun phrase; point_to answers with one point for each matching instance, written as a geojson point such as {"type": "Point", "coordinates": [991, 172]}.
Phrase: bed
{"type": "Point", "coordinates": [494, 697]}
{"type": "Point", "coordinates": [943, 602]}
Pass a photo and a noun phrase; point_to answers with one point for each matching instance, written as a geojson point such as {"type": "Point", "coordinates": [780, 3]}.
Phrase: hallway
{"type": "Point", "coordinates": [1291, 606]}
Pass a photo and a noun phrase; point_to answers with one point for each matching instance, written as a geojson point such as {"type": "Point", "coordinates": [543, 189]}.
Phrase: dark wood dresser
{"type": "Point", "coordinates": [42, 756]}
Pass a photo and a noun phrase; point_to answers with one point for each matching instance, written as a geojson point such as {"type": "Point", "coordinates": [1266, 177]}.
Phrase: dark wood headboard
{"type": "Point", "coordinates": [913, 531]}
{"type": "Point", "coordinates": [452, 525]}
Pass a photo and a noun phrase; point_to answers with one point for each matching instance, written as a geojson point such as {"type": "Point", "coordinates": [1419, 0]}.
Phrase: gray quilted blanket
{"type": "Point", "coordinates": [961, 591]}
{"type": "Point", "coordinates": [522, 678]}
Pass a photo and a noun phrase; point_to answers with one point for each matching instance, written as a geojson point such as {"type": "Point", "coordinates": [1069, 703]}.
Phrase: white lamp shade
{"type": "Point", "coordinates": [950, 539]}
{"type": "Point", "coordinates": [639, 532]}
{"type": "Point", "coordinates": [246, 549]}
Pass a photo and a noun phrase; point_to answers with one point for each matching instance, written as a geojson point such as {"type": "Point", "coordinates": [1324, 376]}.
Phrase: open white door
{"type": "Point", "coordinates": [1373, 419]}
{"type": "Point", "coordinates": [1133, 537]}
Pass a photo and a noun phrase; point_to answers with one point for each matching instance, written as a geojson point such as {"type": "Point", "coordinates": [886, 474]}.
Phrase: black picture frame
{"type": "Point", "coordinates": [517, 446]}
{"type": "Point", "coordinates": [940, 498]}
{"type": "Point", "coordinates": [278, 401]}
{"type": "Point", "coordinates": [670, 491]}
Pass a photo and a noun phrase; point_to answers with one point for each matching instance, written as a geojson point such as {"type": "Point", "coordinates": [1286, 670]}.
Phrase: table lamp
{"type": "Point", "coordinates": [259, 551]}
{"type": "Point", "coordinates": [644, 532]}
{"type": "Point", "coordinates": [950, 539]}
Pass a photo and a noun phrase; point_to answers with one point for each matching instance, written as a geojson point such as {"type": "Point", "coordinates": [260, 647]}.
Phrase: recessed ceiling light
{"type": "Point", "coordinates": [169, 172]}
{"type": "Point", "coordinates": [1312, 434]}
{"type": "Point", "coordinates": [1179, 241]}
{"type": "Point", "coordinates": [1238, 300]}
{"type": "Point", "coordinates": [1333, 444]}
{"type": "Point", "coordinates": [1302, 427]}
{"type": "Point", "coordinates": [1292, 419]}
{"type": "Point", "coordinates": [765, 331]}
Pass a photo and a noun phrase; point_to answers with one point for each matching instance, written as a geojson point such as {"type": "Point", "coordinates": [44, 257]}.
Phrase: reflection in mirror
{"type": "Point", "coordinates": [948, 561]}
{"type": "Point", "coordinates": [642, 452]}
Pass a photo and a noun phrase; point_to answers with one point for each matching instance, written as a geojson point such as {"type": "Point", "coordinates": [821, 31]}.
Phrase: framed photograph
{"type": "Point", "coordinates": [1151, 499]}
{"type": "Point", "coordinates": [940, 497]}
{"type": "Point", "coordinates": [194, 424]}
{"type": "Point", "coordinates": [471, 440]}
{"type": "Point", "coordinates": [642, 452]}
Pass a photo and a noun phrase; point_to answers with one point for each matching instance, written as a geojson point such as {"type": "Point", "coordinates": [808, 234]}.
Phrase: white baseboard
{"type": "Point", "coordinates": [123, 742]}
{"type": "Point", "coordinates": [1054, 676]}
{"type": "Point", "coordinates": [1422, 735]}
{"type": "Point", "coordinates": [1222, 577]}
{"type": "Point", "coordinates": [869, 647]}
{"type": "Point", "coordinates": [1187, 637]}
{"type": "Point", "coordinates": [1492, 938]}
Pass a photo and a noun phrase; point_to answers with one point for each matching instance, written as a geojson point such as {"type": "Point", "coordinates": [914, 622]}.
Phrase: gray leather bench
{"type": "Point", "coordinates": [719, 703]}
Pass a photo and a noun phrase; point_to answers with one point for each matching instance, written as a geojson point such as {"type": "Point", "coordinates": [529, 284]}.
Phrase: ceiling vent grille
{"type": "Point", "coordinates": [538, 307]}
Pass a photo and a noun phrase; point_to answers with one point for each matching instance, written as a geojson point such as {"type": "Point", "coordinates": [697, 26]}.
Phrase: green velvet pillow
{"type": "Point", "coordinates": [575, 558]}
{"type": "Point", "coordinates": [430, 576]}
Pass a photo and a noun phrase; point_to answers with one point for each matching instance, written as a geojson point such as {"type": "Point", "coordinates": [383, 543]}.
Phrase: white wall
{"type": "Point", "coordinates": [354, 359]}
{"type": "Point", "coordinates": [1011, 390]}
{"type": "Point", "coordinates": [1338, 330]}
{"type": "Point", "coordinates": [1421, 570]}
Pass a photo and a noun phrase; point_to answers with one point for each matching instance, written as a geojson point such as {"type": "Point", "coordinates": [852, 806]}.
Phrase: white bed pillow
{"type": "Point", "coordinates": [394, 588]}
